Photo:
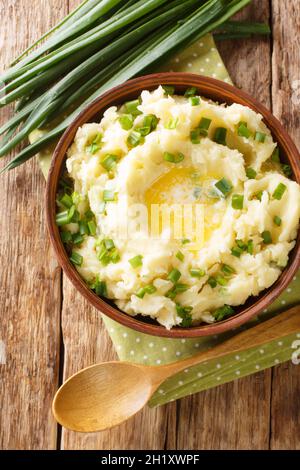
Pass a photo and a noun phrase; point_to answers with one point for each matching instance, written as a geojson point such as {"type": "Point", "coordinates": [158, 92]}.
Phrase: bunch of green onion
{"type": "Point", "coordinates": [100, 45]}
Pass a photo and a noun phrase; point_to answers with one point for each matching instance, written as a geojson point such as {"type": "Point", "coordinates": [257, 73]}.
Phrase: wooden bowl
{"type": "Point", "coordinates": [217, 91]}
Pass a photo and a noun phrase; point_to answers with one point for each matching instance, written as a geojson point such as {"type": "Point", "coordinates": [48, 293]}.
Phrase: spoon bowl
{"type": "Point", "coordinates": [102, 396]}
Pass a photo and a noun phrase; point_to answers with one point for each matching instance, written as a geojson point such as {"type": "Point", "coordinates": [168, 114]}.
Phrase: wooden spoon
{"type": "Point", "coordinates": [106, 394]}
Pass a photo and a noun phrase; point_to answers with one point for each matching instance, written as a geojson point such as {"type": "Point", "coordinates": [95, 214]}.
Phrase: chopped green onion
{"type": "Point", "coordinates": [194, 100]}
{"type": "Point", "coordinates": [141, 293]}
{"type": "Point", "coordinates": [172, 123]}
{"type": "Point", "coordinates": [77, 238]}
{"type": "Point", "coordinates": [185, 314]}
{"type": "Point", "coordinates": [223, 312]}
{"type": "Point", "coordinates": [66, 217]}
{"type": "Point", "coordinates": [236, 251]}
{"type": "Point", "coordinates": [185, 241]}
{"type": "Point", "coordinates": [170, 157]}
{"type": "Point", "coordinates": [145, 130]}
{"type": "Point", "coordinates": [180, 288]}
{"type": "Point", "coordinates": [177, 289]}
{"type": "Point", "coordinates": [95, 145]}
{"type": "Point", "coordinates": [180, 256]}
{"type": "Point", "coordinates": [100, 288]}
{"type": "Point", "coordinates": [260, 137]}
{"type": "Point", "coordinates": [126, 121]}
{"type": "Point", "coordinates": [66, 201]}
{"type": "Point", "coordinates": [267, 237]}
{"type": "Point", "coordinates": [204, 126]}
{"type": "Point", "coordinates": [224, 186]}
{"type": "Point", "coordinates": [259, 195]}
{"type": "Point", "coordinates": [243, 130]}
{"type": "Point", "coordinates": [150, 289]}
{"type": "Point", "coordinates": [179, 158]}
{"type": "Point", "coordinates": [174, 275]}
{"type": "Point", "coordinates": [237, 201]}
{"type": "Point", "coordinates": [76, 216]}
{"type": "Point", "coordinates": [277, 220]}
{"type": "Point", "coordinates": [250, 247]}
{"type": "Point", "coordinates": [220, 135]}
{"type": "Point", "coordinates": [108, 243]}
{"type": "Point", "coordinates": [93, 148]}
{"type": "Point", "coordinates": [195, 136]}
{"type": "Point", "coordinates": [287, 170]}
{"type": "Point", "coordinates": [241, 245]}
{"type": "Point", "coordinates": [66, 236]}
{"type": "Point", "coordinates": [276, 155]}
{"type": "Point", "coordinates": [136, 261]}
{"type": "Point", "coordinates": [115, 256]}
{"type": "Point", "coordinates": [83, 228]}
{"type": "Point", "coordinates": [227, 270]}
{"type": "Point", "coordinates": [76, 198]}
{"type": "Point", "coordinates": [135, 138]}
{"type": "Point", "coordinates": [132, 107]}
{"type": "Point", "coordinates": [109, 162]}
{"type": "Point", "coordinates": [108, 253]}
{"type": "Point", "coordinates": [92, 227]}
{"type": "Point", "coordinates": [104, 257]}
{"type": "Point", "coordinates": [62, 218]}
{"type": "Point", "coordinates": [109, 195]}
{"type": "Point", "coordinates": [168, 89]}
{"type": "Point", "coordinates": [221, 280]}
{"type": "Point", "coordinates": [279, 191]}
{"type": "Point", "coordinates": [197, 273]}
{"type": "Point", "coordinates": [250, 173]}
{"type": "Point", "coordinates": [192, 91]}
{"type": "Point", "coordinates": [212, 282]}
{"type": "Point", "coordinates": [149, 124]}
{"type": "Point", "coordinates": [76, 258]}
{"type": "Point", "coordinates": [89, 214]}
{"type": "Point", "coordinates": [171, 294]}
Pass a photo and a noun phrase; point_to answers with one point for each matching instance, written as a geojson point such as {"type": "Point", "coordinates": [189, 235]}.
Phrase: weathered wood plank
{"type": "Point", "coordinates": [30, 278]}
{"type": "Point", "coordinates": [285, 425]}
{"type": "Point", "coordinates": [236, 415]}
{"type": "Point", "coordinates": [248, 61]}
{"type": "Point", "coordinates": [233, 416]}
{"type": "Point", "coordinates": [86, 341]}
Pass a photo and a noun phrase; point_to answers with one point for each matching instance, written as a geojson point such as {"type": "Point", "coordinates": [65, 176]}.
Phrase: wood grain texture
{"type": "Point", "coordinates": [285, 406]}
{"type": "Point", "coordinates": [247, 413]}
{"type": "Point", "coordinates": [30, 295]}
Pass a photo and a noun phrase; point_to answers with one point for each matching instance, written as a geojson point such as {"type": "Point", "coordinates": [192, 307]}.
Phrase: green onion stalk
{"type": "Point", "coordinates": [111, 41]}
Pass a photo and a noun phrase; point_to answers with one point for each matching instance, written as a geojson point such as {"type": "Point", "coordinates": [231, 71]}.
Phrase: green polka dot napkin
{"type": "Point", "coordinates": [202, 58]}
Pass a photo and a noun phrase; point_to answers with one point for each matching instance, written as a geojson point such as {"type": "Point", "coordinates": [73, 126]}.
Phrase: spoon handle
{"type": "Point", "coordinates": [284, 324]}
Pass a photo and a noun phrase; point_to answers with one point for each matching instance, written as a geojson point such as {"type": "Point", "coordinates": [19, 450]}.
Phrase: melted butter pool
{"type": "Point", "coordinates": [186, 186]}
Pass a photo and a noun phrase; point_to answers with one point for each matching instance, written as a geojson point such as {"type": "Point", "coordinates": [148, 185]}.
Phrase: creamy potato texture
{"type": "Point", "coordinates": [170, 149]}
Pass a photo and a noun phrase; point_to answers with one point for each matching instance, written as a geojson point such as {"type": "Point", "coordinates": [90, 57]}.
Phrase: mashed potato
{"type": "Point", "coordinates": [168, 149]}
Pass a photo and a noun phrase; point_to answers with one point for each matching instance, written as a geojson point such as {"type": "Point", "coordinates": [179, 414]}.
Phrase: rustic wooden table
{"type": "Point", "coordinates": [50, 331]}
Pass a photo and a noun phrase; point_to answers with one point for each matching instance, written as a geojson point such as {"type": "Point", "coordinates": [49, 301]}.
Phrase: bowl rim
{"type": "Point", "coordinates": [209, 87]}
